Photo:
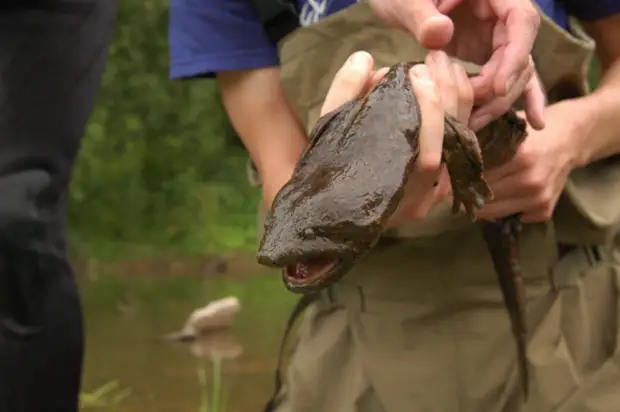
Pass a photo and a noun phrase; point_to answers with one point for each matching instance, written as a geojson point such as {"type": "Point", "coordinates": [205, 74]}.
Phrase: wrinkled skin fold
{"type": "Point", "coordinates": [352, 176]}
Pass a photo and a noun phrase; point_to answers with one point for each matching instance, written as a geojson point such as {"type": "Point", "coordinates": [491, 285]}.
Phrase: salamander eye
{"type": "Point", "coordinates": [309, 233]}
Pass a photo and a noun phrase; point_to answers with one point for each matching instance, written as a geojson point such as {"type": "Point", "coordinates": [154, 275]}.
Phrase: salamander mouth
{"type": "Point", "coordinates": [310, 273]}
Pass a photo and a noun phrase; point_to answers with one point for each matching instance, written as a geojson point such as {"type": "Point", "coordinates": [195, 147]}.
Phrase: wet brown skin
{"type": "Point", "coordinates": [351, 178]}
{"type": "Point", "coordinates": [499, 142]}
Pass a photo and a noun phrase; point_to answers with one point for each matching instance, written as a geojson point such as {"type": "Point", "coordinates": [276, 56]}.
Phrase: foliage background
{"type": "Point", "coordinates": [160, 168]}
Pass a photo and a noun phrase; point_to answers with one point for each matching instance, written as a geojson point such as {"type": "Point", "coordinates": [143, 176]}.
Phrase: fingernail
{"type": "Point", "coordinates": [358, 61]}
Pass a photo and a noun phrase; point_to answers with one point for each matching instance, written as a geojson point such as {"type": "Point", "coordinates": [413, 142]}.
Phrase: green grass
{"type": "Point", "coordinates": [217, 404]}
{"type": "Point", "coordinates": [107, 397]}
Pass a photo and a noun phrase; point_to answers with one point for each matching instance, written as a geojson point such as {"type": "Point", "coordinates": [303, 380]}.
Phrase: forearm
{"type": "Point", "coordinates": [596, 115]}
{"type": "Point", "coordinates": [598, 129]}
{"type": "Point", "coordinates": [258, 109]}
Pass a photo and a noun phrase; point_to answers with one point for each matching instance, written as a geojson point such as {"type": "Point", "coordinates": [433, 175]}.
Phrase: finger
{"type": "Point", "coordinates": [501, 104]}
{"type": "Point", "coordinates": [465, 93]}
{"type": "Point", "coordinates": [440, 67]}
{"type": "Point", "coordinates": [414, 199]}
{"type": "Point", "coordinates": [482, 10]}
{"type": "Point", "coordinates": [513, 186]}
{"type": "Point", "coordinates": [349, 82]}
{"type": "Point", "coordinates": [496, 175]}
{"type": "Point", "coordinates": [378, 75]}
{"type": "Point", "coordinates": [423, 196]}
{"type": "Point", "coordinates": [514, 166]}
{"type": "Point", "coordinates": [520, 21]}
{"type": "Point", "coordinates": [443, 182]}
{"type": "Point", "coordinates": [419, 210]}
{"type": "Point", "coordinates": [431, 119]}
{"type": "Point", "coordinates": [535, 102]}
{"type": "Point", "coordinates": [444, 187]}
{"type": "Point", "coordinates": [447, 6]}
{"type": "Point", "coordinates": [498, 105]}
{"type": "Point", "coordinates": [483, 83]}
{"type": "Point", "coordinates": [432, 29]}
{"type": "Point", "coordinates": [496, 210]}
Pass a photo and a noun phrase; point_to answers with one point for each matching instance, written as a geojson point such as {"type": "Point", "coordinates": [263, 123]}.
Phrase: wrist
{"type": "Point", "coordinates": [582, 120]}
{"type": "Point", "coordinates": [276, 174]}
{"type": "Point", "coordinates": [273, 179]}
{"type": "Point", "coordinates": [275, 170]}
{"type": "Point", "coordinates": [281, 160]}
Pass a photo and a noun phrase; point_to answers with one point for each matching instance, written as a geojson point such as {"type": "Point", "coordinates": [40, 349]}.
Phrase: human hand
{"type": "Point", "coordinates": [496, 34]}
{"type": "Point", "coordinates": [353, 80]}
{"type": "Point", "coordinates": [440, 86]}
{"type": "Point", "coordinates": [531, 183]}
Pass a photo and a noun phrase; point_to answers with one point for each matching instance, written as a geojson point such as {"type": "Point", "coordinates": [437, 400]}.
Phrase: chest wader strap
{"type": "Point", "coordinates": [278, 17]}
{"type": "Point", "coordinates": [298, 309]}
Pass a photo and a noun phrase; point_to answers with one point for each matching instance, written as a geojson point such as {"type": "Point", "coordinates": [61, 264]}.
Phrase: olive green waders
{"type": "Point", "coordinates": [419, 324]}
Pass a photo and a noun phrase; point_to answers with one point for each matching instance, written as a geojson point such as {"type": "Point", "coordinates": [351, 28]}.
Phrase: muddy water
{"type": "Point", "coordinates": [127, 316]}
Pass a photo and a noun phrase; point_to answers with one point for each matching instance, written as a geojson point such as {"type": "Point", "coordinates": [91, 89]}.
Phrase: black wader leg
{"type": "Point", "coordinates": [52, 55]}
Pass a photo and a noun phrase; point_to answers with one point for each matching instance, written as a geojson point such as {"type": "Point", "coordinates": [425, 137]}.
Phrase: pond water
{"type": "Point", "coordinates": [127, 317]}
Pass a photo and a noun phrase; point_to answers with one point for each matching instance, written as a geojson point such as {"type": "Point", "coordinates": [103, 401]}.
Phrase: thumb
{"type": "Point", "coordinates": [421, 18]}
{"type": "Point", "coordinates": [350, 81]}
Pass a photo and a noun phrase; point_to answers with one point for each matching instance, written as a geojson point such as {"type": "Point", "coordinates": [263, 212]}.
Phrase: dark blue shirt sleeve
{"type": "Point", "coordinates": [207, 36]}
{"type": "Point", "coordinates": [588, 10]}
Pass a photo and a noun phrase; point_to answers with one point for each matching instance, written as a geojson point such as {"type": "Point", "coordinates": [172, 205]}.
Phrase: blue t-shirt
{"type": "Point", "coordinates": [207, 36]}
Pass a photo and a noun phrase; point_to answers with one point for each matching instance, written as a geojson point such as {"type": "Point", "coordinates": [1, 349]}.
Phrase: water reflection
{"type": "Point", "coordinates": [216, 346]}
{"type": "Point", "coordinates": [124, 342]}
